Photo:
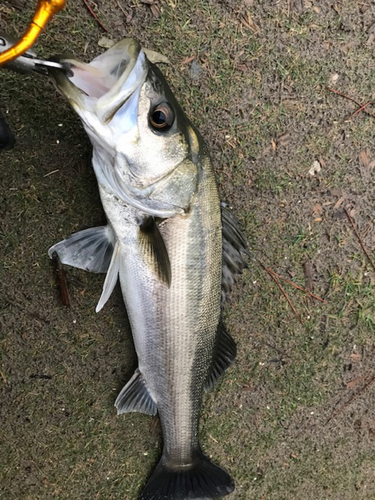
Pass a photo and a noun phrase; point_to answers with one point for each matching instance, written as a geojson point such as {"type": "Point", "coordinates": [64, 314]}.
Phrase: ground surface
{"type": "Point", "coordinates": [294, 418]}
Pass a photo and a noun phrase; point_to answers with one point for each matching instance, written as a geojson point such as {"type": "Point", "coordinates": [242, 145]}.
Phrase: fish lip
{"type": "Point", "coordinates": [105, 84]}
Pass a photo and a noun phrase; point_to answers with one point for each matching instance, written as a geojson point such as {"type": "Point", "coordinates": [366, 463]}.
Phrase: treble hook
{"type": "Point", "coordinates": [45, 10]}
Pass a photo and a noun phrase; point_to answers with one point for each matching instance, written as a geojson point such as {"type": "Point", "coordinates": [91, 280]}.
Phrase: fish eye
{"type": "Point", "coordinates": [162, 117]}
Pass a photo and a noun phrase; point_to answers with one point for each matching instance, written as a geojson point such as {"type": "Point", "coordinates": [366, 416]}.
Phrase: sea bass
{"type": "Point", "coordinates": [170, 244]}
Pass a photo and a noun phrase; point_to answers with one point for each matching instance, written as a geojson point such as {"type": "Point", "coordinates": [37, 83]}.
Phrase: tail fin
{"type": "Point", "coordinates": [203, 480]}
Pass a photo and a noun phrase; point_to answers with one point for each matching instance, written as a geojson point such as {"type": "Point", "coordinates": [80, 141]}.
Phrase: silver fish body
{"type": "Point", "coordinates": [164, 243]}
{"type": "Point", "coordinates": [174, 326]}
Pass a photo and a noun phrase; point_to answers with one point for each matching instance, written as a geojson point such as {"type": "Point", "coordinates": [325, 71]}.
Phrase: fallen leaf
{"type": "Point", "coordinates": [355, 357]}
{"type": "Point", "coordinates": [354, 382]}
{"type": "Point", "coordinates": [364, 8]}
{"type": "Point", "coordinates": [333, 79]}
{"type": "Point", "coordinates": [105, 42]}
{"type": "Point", "coordinates": [291, 104]}
{"type": "Point", "coordinates": [248, 22]}
{"type": "Point", "coordinates": [7, 10]}
{"type": "Point", "coordinates": [155, 10]}
{"type": "Point", "coordinates": [315, 168]}
{"type": "Point", "coordinates": [156, 57]}
{"type": "Point", "coordinates": [283, 139]}
{"type": "Point", "coordinates": [266, 150]}
{"type": "Point", "coordinates": [318, 209]}
{"type": "Point", "coordinates": [348, 46]}
{"type": "Point", "coordinates": [242, 67]}
{"type": "Point", "coordinates": [364, 157]}
{"type": "Point", "coordinates": [338, 202]}
{"type": "Point", "coordinates": [247, 387]}
{"type": "Point", "coordinates": [189, 59]}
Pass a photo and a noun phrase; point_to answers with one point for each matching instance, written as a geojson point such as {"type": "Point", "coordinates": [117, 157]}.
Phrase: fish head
{"type": "Point", "coordinates": [145, 148]}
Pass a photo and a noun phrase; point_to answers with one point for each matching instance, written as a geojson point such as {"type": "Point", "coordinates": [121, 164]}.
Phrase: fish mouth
{"type": "Point", "coordinates": [103, 86]}
{"type": "Point", "coordinates": [107, 89]}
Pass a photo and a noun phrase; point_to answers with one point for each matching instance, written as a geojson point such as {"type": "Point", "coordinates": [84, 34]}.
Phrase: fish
{"type": "Point", "coordinates": [174, 248]}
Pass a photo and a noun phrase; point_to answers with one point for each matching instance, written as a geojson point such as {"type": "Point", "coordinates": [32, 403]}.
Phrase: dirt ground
{"type": "Point", "coordinates": [294, 417]}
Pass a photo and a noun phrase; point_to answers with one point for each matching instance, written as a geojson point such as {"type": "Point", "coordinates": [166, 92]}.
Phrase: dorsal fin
{"type": "Point", "coordinates": [154, 250]}
{"type": "Point", "coordinates": [235, 250]}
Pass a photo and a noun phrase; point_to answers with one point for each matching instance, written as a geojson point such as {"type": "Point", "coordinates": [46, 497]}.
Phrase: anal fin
{"type": "Point", "coordinates": [224, 354]}
{"type": "Point", "coordinates": [135, 397]}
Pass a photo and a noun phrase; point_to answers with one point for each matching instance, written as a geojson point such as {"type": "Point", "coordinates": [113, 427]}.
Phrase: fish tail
{"type": "Point", "coordinates": [202, 480]}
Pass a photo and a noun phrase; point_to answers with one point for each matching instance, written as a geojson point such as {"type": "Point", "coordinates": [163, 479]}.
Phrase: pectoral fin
{"type": "Point", "coordinates": [111, 278]}
{"type": "Point", "coordinates": [135, 396]}
{"type": "Point", "coordinates": [154, 250]}
{"type": "Point", "coordinates": [90, 249]}
{"type": "Point", "coordinates": [224, 354]}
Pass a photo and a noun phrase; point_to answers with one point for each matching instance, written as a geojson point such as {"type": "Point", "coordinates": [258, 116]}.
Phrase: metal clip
{"type": "Point", "coordinates": [29, 61]}
{"type": "Point", "coordinates": [45, 10]}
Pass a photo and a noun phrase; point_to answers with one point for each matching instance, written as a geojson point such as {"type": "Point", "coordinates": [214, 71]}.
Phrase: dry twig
{"type": "Point", "coordinates": [362, 107]}
{"type": "Point", "coordinates": [189, 59]}
{"type": "Point", "coordinates": [61, 280]}
{"type": "Point", "coordinates": [298, 287]}
{"type": "Point", "coordinates": [354, 396]}
{"type": "Point", "coordinates": [94, 15]}
{"type": "Point", "coordinates": [359, 238]}
{"type": "Point", "coordinates": [273, 276]}
{"type": "Point", "coordinates": [121, 8]}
